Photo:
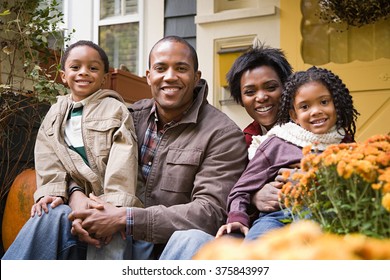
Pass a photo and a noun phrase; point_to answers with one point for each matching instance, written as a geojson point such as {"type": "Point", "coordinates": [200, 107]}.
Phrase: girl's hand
{"type": "Point", "coordinates": [43, 202]}
{"type": "Point", "coordinates": [228, 228]}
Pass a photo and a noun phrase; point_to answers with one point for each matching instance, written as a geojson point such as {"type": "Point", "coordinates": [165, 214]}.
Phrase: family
{"type": "Point", "coordinates": [159, 179]}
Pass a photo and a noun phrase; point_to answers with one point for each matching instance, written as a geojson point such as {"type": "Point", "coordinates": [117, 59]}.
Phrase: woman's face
{"type": "Point", "coordinates": [261, 89]}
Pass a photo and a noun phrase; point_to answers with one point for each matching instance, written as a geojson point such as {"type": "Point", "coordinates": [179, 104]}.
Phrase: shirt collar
{"type": "Point", "coordinates": [153, 113]}
{"type": "Point", "coordinates": [85, 101]}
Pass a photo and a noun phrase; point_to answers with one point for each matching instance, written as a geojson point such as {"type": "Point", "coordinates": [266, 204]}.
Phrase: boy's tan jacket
{"type": "Point", "coordinates": [110, 144]}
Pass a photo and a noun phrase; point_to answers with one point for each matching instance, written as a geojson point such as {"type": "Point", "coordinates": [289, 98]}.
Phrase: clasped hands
{"type": "Point", "coordinates": [96, 222]}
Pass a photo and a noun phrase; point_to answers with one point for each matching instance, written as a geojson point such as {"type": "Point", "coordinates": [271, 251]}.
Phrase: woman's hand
{"type": "Point", "coordinates": [267, 198]}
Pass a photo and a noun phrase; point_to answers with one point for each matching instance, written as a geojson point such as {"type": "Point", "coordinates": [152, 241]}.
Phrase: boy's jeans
{"type": "Point", "coordinates": [46, 238]}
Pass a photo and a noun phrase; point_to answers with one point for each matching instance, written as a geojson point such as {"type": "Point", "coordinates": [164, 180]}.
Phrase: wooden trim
{"type": "Point", "coordinates": [131, 87]}
{"type": "Point", "coordinates": [235, 14]}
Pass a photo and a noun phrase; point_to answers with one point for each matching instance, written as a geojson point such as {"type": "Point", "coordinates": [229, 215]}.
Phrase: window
{"type": "Point", "coordinates": [119, 32]}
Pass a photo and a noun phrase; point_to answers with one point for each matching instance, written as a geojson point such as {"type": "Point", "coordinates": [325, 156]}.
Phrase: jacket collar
{"type": "Point", "coordinates": [100, 94]}
{"type": "Point", "coordinates": [200, 99]}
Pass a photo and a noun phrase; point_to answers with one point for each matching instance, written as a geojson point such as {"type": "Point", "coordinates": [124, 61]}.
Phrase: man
{"type": "Point", "coordinates": [190, 156]}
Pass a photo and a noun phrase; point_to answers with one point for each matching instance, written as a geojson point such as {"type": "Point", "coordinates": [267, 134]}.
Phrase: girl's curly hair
{"type": "Point", "coordinates": [346, 113]}
{"type": "Point", "coordinates": [257, 56]}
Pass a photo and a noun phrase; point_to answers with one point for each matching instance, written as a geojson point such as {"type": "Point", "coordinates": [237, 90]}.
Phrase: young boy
{"type": "Point", "coordinates": [87, 140]}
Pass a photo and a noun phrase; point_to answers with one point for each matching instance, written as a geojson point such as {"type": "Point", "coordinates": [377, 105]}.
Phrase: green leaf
{"type": "Point", "coordinates": [5, 13]}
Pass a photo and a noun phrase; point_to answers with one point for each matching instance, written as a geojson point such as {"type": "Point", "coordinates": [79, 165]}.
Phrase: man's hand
{"type": "Point", "coordinates": [99, 220]}
{"type": "Point", "coordinates": [78, 202]}
{"type": "Point", "coordinates": [83, 235]}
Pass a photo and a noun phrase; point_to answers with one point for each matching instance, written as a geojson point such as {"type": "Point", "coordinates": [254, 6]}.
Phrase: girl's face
{"type": "Point", "coordinates": [83, 72]}
{"type": "Point", "coordinates": [314, 108]}
{"type": "Point", "coordinates": [261, 89]}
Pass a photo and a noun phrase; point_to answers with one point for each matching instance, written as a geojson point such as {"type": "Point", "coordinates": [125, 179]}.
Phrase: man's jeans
{"type": "Point", "coordinates": [183, 245]}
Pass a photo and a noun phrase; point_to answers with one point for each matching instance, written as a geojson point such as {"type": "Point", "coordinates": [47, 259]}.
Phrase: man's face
{"type": "Point", "coordinates": [172, 78]}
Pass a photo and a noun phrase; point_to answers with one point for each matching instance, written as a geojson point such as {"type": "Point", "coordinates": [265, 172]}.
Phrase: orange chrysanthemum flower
{"type": "Point", "coordinates": [386, 201]}
{"type": "Point", "coordinates": [343, 186]}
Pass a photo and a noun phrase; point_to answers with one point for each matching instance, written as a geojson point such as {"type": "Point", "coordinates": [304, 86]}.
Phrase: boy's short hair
{"type": "Point", "coordinates": [91, 44]}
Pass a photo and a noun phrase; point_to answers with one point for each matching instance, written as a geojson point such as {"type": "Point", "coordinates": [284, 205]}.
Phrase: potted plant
{"type": "Point", "coordinates": [345, 189]}
{"type": "Point", "coordinates": [342, 202]}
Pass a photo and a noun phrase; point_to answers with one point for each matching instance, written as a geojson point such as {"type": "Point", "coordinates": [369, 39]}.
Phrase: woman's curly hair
{"type": "Point", "coordinates": [257, 56]}
{"type": "Point", "coordinates": [346, 113]}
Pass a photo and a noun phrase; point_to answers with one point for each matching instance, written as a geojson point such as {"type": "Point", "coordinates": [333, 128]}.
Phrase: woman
{"type": "Point", "coordinates": [256, 82]}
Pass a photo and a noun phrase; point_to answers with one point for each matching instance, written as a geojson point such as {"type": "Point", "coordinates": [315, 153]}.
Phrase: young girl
{"type": "Point", "coordinates": [315, 109]}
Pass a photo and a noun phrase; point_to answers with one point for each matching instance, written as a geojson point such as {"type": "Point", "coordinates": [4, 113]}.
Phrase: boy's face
{"type": "Point", "coordinates": [84, 72]}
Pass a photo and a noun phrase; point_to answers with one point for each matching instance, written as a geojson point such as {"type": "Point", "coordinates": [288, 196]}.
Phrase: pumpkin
{"type": "Point", "coordinates": [18, 205]}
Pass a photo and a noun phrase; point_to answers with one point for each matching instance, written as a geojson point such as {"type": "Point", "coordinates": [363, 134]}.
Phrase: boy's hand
{"type": "Point", "coordinates": [78, 201]}
{"type": "Point", "coordinates": [43, 202]}
{"type": "Point", "coordinates": [100, 222]}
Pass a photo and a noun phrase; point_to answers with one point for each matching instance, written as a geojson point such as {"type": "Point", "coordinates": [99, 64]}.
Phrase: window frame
{"type": "Point", "coordinates": [123, 19]}
{"type": "Point", "coordinates": [234, 46]}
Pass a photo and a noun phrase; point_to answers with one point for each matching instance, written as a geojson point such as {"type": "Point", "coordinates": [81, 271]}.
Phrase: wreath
{"type": "Point", "coordinates": [354, 12]}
